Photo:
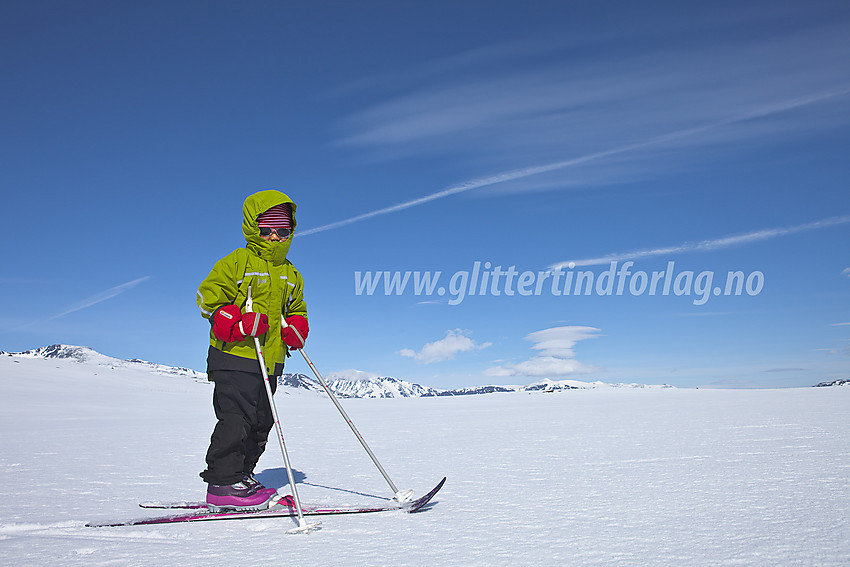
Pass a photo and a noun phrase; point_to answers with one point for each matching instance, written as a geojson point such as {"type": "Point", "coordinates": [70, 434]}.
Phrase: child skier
{"type": "Point", "coordinates": [239, 399]}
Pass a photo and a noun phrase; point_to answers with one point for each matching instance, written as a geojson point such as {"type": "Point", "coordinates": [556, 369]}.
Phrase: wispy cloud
{"type": "Point", "coordinates": [524, 100]}
{"type": "Point", "coordinates": [454, 342]}
{"type": "Point", "coordinates": [595, 110]}
{"type": "Point", "coordinates": [555, 166]}
{"type": "Point", "coordinates": [705, 245]}
{"type": "Point", "coordinates": [844, 351]}
{"type": "Point", "coordinates": [102, 296]}
{"type": "Point", "coordinates": [556, 357]}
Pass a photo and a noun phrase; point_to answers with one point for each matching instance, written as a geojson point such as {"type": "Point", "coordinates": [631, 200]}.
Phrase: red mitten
{"type": "Point", "coordinates": [224, 321]}
{"type": "Point", "coordinates": [288, 335]}
{"type": "Point", "coordinates": [251, 325]}
{"type": "Point", "coordinates": [230, 325]}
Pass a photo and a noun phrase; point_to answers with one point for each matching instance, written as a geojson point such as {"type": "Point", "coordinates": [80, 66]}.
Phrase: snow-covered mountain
{"type": "Point", "coordinates": [299, 381]}
{"type": "Point", "coordinates": [474, 390]}
{"type": "Point", "coordinates": [548, 385]}
{"type": "Point", "coordinates": [839, 382]}
{"type": "Point", "coordinates": [377, 387]}
{"type": "Point", "coordinates": [358, 384]}
{"type": "Point", "coordinates": [345, 384]}
{"type": "Point", "coordinates": [87, 355]}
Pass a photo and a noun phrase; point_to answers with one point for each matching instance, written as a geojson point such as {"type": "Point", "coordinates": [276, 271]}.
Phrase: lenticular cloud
{"type": "Point", "coordinates": [556, 357]}
{"type": "Point", "coordinates": [444, 349]}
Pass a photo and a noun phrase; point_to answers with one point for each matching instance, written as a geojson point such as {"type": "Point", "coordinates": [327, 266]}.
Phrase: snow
{"type": "Point", "coordinates": [604, 476]}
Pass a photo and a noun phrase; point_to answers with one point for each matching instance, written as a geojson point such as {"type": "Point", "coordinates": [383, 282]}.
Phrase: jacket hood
{"type": "Point", "coordinates": [254, 206]}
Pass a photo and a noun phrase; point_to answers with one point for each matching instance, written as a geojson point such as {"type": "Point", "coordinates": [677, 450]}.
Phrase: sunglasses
{"type": "Point", "coordinates": [281, 232]}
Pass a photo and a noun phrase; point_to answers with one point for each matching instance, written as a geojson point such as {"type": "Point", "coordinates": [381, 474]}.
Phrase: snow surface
{"type": "Point", "coordinates": [603, 476]}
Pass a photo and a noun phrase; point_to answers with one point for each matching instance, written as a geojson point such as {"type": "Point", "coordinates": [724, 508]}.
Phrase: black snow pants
{"type": "Point", "coordinates": [244, 421]}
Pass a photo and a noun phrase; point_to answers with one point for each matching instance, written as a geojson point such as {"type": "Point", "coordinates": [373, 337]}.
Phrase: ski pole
{"type": "Point", "coordinates": [303, 526]}
{"type": "Point", "coordinates": [400, 496]}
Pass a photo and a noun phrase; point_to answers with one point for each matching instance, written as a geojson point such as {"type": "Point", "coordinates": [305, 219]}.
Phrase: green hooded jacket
{"type": "Point", "coordinates": [276, 287]}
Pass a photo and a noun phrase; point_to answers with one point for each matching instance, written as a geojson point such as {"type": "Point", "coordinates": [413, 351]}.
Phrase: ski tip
{"type": "Point", "coordinates": [420, 503]}
{"type": "Point", "coordinates": [438, 487]}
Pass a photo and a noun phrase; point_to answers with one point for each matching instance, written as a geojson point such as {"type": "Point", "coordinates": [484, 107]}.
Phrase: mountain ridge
{"type": "Point", "coordinates": [363, 385]}
{"type": "Point", "coordinates": [83, 354]}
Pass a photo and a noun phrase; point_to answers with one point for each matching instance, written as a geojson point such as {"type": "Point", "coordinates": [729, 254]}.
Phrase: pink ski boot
{"type": "Point", "coordinates": [239, 496]}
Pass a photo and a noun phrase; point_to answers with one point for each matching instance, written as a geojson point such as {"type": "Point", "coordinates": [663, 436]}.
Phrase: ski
{"type": "Point", "coordinates": [284, 508]}
{"type": "Point", "coordinates": [182, 505]}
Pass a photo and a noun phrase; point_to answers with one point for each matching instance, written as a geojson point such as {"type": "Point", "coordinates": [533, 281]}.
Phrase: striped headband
{"type": "Point", "coordinates": [278, 216]}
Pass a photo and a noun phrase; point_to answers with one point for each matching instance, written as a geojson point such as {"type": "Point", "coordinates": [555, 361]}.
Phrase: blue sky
{"type": "Point", "coordinates": [427, 138]}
